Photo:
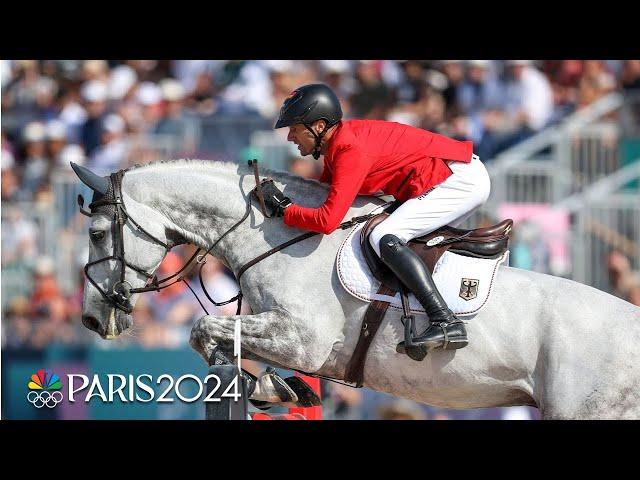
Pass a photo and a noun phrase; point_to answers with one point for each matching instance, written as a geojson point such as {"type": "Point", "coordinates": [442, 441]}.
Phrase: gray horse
{"type": "Point", "coordinates": [566, 348]}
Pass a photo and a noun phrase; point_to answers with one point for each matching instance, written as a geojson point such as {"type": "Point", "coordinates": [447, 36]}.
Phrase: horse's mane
{"type": "Point", "coordinates": [229, 167]}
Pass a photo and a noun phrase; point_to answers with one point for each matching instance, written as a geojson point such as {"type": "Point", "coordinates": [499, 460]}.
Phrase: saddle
{"type": "Point", "coordinates": [488, 242]}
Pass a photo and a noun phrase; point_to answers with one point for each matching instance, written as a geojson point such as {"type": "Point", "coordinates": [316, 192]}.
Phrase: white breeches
{"type": "Point", "coordinates": [449, 203]}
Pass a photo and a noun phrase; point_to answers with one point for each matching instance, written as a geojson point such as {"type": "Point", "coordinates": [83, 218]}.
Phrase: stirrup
{"type": "Point", "coordinates": [413, 351]}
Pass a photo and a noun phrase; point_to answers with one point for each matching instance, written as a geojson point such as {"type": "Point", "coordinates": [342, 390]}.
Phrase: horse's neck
{"type": "Point", "coordinates": [200, 201]}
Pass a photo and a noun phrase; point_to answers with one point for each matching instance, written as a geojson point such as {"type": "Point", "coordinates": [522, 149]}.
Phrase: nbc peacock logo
{"type": "Point", "coordinates": [44, 389]}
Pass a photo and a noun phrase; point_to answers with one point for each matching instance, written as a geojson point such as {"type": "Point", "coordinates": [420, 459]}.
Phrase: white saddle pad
{"type": "Point", "coordinates": [464, 282]}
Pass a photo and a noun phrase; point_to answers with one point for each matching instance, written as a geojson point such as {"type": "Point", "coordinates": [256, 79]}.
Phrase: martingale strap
{"type": "Point", "coordinates": [371, 322]}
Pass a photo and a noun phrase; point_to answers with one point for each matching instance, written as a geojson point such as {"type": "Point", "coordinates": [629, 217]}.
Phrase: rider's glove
{"type": "Point", "coordinates": [274, 199]}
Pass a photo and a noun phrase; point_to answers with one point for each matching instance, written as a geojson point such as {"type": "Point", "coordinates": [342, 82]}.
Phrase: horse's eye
{"type": "Point", "coordinates": [97, 236]}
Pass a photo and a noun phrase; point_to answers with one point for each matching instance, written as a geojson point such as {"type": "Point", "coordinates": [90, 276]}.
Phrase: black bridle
{"type": "Point", "coordinates": [120, 293]}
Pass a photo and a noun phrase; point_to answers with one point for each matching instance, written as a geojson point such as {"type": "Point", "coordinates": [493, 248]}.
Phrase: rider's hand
{"type": "Point", "coordinates": [274, 199]}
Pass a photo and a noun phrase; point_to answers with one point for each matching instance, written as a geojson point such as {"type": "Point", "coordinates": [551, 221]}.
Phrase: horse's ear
{"type": "Point", "coordinates": [90, 179]}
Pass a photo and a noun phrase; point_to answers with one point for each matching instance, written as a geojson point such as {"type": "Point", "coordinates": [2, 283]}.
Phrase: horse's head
{"type": "Point", "coordinates": [126, 246]}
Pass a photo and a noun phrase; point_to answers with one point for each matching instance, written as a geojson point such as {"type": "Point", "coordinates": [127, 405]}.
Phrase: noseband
{"type": "Point", "coordinates": [121, 291]}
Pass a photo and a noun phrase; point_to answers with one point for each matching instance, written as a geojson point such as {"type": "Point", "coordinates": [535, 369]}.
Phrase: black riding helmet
{"type": "Point", "coordinates": [308, 104]}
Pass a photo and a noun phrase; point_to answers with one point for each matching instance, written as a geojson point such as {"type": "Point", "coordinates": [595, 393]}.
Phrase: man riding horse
{"type": "Point", "coordinates": [439, 180]}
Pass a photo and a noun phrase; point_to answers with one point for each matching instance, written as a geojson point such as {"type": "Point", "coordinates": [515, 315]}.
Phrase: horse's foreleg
{"type": "Point", "coordinates": [273, 336]}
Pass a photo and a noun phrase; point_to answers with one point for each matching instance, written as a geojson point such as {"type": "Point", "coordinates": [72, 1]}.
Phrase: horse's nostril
{"type": "Point", "coordinates": [92, 323]}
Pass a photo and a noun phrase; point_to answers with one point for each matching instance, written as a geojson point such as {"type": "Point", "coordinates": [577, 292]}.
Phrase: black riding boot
{"type": "Point", "coordinates": [445, 330]}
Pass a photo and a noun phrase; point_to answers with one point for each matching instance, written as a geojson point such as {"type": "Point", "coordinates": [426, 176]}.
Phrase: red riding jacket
{"type": "Point", "coordinates": [369, 156]}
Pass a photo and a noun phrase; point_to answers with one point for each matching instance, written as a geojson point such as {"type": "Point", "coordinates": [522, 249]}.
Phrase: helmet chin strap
{"type": "Point", "coordinates": [318, 137]}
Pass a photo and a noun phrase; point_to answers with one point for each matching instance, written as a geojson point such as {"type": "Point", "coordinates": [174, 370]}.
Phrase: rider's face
{"type": "Point", "coordinates": [303, 138]}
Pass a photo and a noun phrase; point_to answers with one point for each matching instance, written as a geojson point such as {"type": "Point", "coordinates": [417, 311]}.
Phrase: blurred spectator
{"type": "Point", "coordinates": [149, 96]}
{"type": "Point", "coordinates": [121, 82]}
{"type": "Point", "coordinates": [283, 82]}
{"type": "Point", "coordinates": [595, 82]}
{"type": "Point", "coordinates": [454, 72]}
{"type": "Point", "coordinates": [528, 95]}
{"type": "Point", "coordinates": [10, 182]}
{"type": "Point", "coordinates": [46, 90]}
{"type": "Point", "coordinates": [413, 84]}
{"type": "Point", "coordinates": [95, 70]}
{"type": "Point", "coordinates": [172, 120]}
{"type": "Point", "coordinates": [201, 99]}
{"type": "Point", "coordinates": [165, 299]}
{"type": "Point", "coordinates": [16, 325]}
{"type": "Point", "coordinates": [564, 102]}
{"type": "Point", "coordinates": [630, 78]}
{"type": "Point", "coordinates": [20, 92]}
{"type": "Point", "coordinates": [187, 71]}
{"type": "Point", "coordinates": [526, 107]}
{"type": "Point", "coordinates": [72, 113]}
{"type": "Point", "coordinates": [36, 163]}
{"type": "Point", "coordinates": [623, 280]}
{"type": "Point", "coordinates": [94, 94]}
{"type": "Point", "coordinates": [19, 236]}
{"type": "Point", "coordinates": [564, 72]}
{"type": "Point", "coordinates": [147, 331]}
{"type": "Point", "coordinates": [46, 286]}
{"type": "Point", "coordinates": [480, 92]}
{"type": "Point", "coordinates": [343, 402]}
{"type": "Point", "coordinates": [402, 410]}
{"type": "Point", "coordinates": [250, 91]}
{"type": "Point", "coordinates": [147, 70]}
{"type": "Point", "coordinates": [338, 75]}
{"type": "Point", "coordinates": [111, 154]}
{"type": "Point", "coordinates": [56, 139]}
{"type": "Point", "coordinates": [371, 98]}
{"type": "Point", "coordinates": [71, 153]}
{"type": "Point", "coordinates": [411, 92]}
{"type": "Point", "coordinates": [630, 82]}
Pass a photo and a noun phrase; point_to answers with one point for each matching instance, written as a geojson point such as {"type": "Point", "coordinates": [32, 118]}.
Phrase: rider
{"type": "Point", "coordinates": [440, 181]}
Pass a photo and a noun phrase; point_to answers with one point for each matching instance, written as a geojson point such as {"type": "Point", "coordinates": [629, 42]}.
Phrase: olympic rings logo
{"type": "Point", "coordinates": [40, 399]}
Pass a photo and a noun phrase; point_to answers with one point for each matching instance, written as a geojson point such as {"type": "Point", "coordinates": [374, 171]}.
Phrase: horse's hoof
{"type": "Point", "coordinates": [272, 388]}
{"type": "Point", "coordinates": [307, 397]}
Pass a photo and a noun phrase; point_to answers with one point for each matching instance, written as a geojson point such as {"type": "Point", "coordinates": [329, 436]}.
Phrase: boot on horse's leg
{"type": "Point", "coordinates": [445, 330]}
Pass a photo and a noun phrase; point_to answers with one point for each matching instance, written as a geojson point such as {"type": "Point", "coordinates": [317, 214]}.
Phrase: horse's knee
{"type": "Point", "coordinates": [202, 338]}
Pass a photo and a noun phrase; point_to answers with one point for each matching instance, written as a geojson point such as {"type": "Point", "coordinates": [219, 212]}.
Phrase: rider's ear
{"type": "Point", "coordinates": [321, 126]}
